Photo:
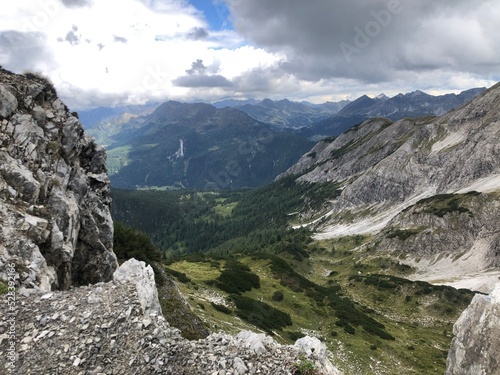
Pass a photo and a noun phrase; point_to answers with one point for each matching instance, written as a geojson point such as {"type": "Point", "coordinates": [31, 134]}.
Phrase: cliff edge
{"type": "Point", "coordinates": [475, 347]}
{"type": "Point", "coordinates": [56, 226]}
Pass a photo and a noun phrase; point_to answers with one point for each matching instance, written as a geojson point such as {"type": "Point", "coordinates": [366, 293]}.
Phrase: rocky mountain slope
{"type": "Point", "coordinates": [416, 103]}
{"type": "Point", "coordinates": [56, 226]}
{"type": "Point", "coordinates": [117, 328]}
{"type": "Point", "coordinates": [386, 169]}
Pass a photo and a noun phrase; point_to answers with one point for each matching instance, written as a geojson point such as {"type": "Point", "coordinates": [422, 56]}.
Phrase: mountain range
{"type": "Point", "coordinates": [285, 114]}
{"type": "Point", "coordinates": [413, 104]}
{"type": "Point", "coordinates": [233, 144]}
{"type": "Point", "coordinates": [200, 146]}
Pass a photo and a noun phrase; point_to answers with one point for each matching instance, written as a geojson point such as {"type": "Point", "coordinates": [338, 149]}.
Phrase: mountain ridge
{"type": "Point", "coordinates": [384, 168]}
{"type": "Point", "coordinates": [413, 104]}
{"type": "Point", "coordinates": [200, 146]}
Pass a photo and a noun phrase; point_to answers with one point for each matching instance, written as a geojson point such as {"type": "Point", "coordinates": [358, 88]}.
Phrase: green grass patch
{"type": "Point", "coordinates": [442, 204]}
{"type": "Point", "coordinates": [403, 234]}
{"type": "Point", "coordinates": [4, 288]}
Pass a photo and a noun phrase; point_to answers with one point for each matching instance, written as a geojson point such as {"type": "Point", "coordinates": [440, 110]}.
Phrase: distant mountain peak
{"type": "Point", "coordinates": [381, 96]}
{"type": "Point", "coordinates": [417, 93]}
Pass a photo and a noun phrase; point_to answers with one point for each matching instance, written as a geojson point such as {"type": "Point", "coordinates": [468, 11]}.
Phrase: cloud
{"type": "Point", "coordinates": [197, 77]}
{"type": "Point", "coordinates": [25, 51]}
{"type": "Point", "coordinates": [77, 3]}
{"type": "Point", "coordinates": [325, 50]}
{"type": "Point", "coordinates": [119, 39]}
{"type": "Point", "coordinates": [197, 33]}
{"type": "Point", "coordinates": [197, 67]}
{"type": "Point", "coordinates": [202, 80]}
{"type": "Point", "coordinates": [373, 41]}
{"type": "Point", "coordinates": [71, 36]}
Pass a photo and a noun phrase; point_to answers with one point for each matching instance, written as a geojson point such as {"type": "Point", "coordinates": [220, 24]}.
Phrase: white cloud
{"type": "Point", "coordinates": [105, 52]}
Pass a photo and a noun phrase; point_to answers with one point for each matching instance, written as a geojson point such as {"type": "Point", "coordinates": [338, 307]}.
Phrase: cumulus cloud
{"type": "Point", "coordinates": [375, 40]}
{"type": "Point", "coordinates": [197, 77]}
{"type": "Point", "coordinates": [326, 50]}
{"type": "Point", "coordinates": [71, 37]}
{"type": "Point", "coordinates": [25, 51]}
{"type": "Point", "coordinates": [197, 33]}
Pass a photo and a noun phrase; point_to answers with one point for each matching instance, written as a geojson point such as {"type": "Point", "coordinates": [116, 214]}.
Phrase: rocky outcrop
{"type": "Point", "coordinates": [115, 328]}
{"type": "Point", "coordinates": [56, 225]}
{"type": "Point", "coordinates": [385, 165]}
{"type": "Point", "coordinates": [475, 347]}
{"type": "Point", "coordinates": [384, 168]}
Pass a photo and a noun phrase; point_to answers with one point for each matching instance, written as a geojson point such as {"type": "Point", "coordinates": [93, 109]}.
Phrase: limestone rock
{"type": "Point", "coordinates": [475, 347]}
{"type": "Point", "coordinates": [136, 272]}
{"type": "Point", "coordinates": [54, 191]}
{"type": "Point", "coordinates": [317, 350]}
{"type": "Point", "coordinates": [8, 102]}
{"type": "Point", "coordinates": [107, 328]}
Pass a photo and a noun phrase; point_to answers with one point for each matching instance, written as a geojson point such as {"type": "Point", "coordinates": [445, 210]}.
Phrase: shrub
{"type": "Point", "coordinates": [304, 367]}
{"type": "Point", "coordinates": [260, 314]}
{"type": "Point", "coordinates": [278, 296]}
{"type": "Point", "coordinates": [3, 288]}
{"type": "Point", "coordinates": [403, 234]}
{"type": "Point", "coordinates": [294, 336]}
{"type": "Point", "coordinates": [180, 276]}
{"type": "Point", "coordinates": [237, 281]}
{"type": "Point", "coordinates": [41, 78]}
{"type": "Point", "coordinates": [349, 329]}
{"type": "Point", "coordinates": [132, 243]}
{"type": "Point", "coordinates": [221, 308]}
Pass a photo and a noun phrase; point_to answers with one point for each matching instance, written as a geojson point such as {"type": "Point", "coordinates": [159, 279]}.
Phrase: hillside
{"type": "Point", "coordinates": [391, 205]}
{"type": "Point", "coordinates": [199, 146]}
{"type": "Point", "coordinates": [241, 267]}
{"type": "Point", "coordinates": [387, 169]}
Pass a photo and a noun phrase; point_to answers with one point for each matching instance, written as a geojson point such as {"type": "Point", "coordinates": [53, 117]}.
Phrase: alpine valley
{"type": "Point", "coordinates": [268, 237]}
{"type": "Point", "coordinates": [396, 216]}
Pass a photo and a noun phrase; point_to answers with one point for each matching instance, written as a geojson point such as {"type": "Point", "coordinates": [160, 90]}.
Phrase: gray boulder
{"type": "Point", "coordinates": [476, 346]}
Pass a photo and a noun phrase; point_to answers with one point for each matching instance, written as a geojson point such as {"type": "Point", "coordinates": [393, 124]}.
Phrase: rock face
{"type": "Point", "coordinates": [385, 170]}
{"type": "Point", "coordinates": [475, 347]}
{"type": "Point", "coordinates": [115, 328]}
{"type": "Point", "coordinates": [54, 191]}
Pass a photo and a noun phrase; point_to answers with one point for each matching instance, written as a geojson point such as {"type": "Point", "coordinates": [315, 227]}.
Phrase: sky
{"type": "Point", "coordinates": [119, 52]}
